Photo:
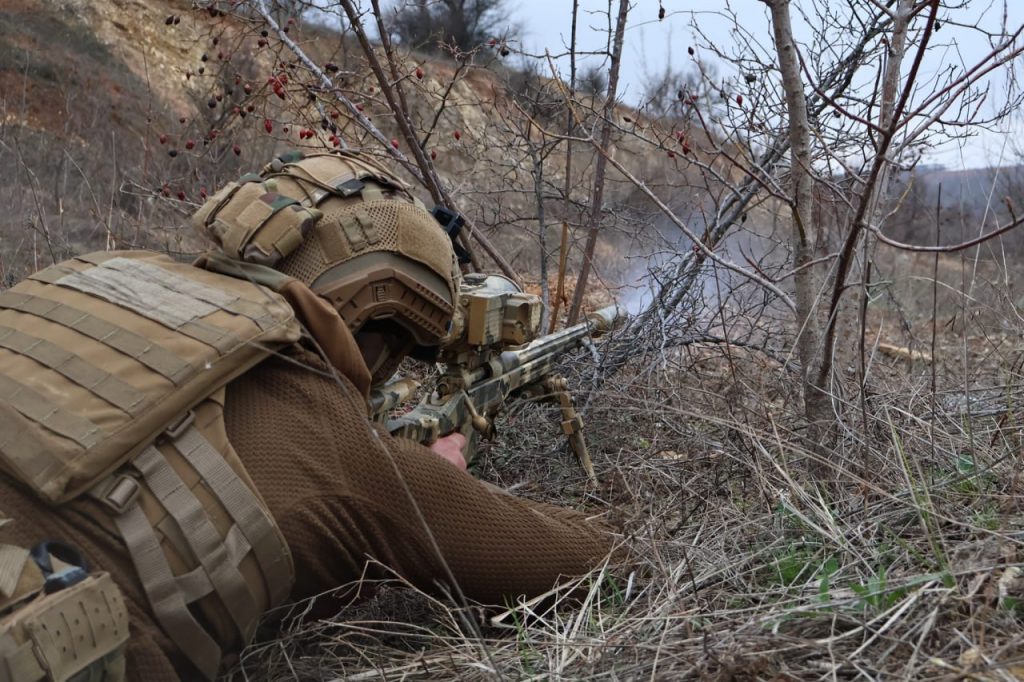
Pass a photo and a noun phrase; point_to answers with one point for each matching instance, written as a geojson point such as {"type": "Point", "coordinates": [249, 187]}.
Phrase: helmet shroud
{"type": "Point", "coordinates": [376, 254]}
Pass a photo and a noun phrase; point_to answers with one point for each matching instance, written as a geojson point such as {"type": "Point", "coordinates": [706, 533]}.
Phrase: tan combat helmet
{"type": "Point", "coordinates": [375, 253]}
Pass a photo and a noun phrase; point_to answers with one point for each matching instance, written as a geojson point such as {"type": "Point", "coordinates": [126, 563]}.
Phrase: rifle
{"type": "Point", "coordinates": [493, 353]}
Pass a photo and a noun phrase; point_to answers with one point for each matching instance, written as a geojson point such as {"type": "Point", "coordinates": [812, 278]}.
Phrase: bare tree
{"type": "Point", "coordinates": [464, 25]}
{"type": "Point", "coordinates": [805, 133]}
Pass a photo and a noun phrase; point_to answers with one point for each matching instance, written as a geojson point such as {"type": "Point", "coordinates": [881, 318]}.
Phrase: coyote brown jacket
{"type": "Point", "coordinates": [341, 494]}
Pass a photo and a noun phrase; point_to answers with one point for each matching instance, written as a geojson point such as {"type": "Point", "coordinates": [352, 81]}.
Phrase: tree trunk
{"type": "Point", "coordinates": [597, 200]}
{"type": "Point", "coordinates": [806, 281]}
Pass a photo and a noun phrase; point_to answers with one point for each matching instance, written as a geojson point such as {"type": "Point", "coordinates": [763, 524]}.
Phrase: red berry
{"type": "Point", "coordinates": [262, 42]}
{"type": "Point", "coordinates": [686, 148]}
{"type": "Point", "coordinates": [394, 142]}
{"type": "Point", "coordinates": [671, 154]}
{"type": "Point", "coordinates": [285, 130]}
{"type": "Point", "coordinates": [181, 196]}
{"type": "Point", "coordinates": [181, 120]}
{"type": "Point", "coordinates": [190, 144]}
{"type": "Point", "coordinates": [419, 72]}
{"type": "Point", "coordinates": [268, 125]}
{"type": "Point", "coordinates": [278, 90]}
{"type": "Point", "coordinates": [457, 135]}
{"type": "Point", "coordinates": [433, 154]}
{"type": "Point", "coordinates": [492, 42]}
{"type": "Point", "coordinates": [359, 107]}
{"type": "Point", "coordinates": [163, 139]}
{"type": "Point", "coordinates": [202, 193]}
{"type": "Point", "coordinates": [334, 115]}
{"type": "Point", "coordinates": [739, 100]}
{"type": "Point", "coordinates": [237, 150]}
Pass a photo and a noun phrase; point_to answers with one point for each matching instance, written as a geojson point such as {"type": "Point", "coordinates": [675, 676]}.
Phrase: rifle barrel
{"type": "Point", "coordinates": [597, 323]}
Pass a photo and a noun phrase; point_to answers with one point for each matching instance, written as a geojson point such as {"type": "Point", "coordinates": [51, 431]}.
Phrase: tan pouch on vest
{"type": "Point", "coordinates": [250, 221]}
{"type": "Point", "coordinates": [78, 632]}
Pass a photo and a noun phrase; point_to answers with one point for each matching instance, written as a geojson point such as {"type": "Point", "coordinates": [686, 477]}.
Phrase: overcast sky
{"type": "Point", "coordinates": [650, 44]}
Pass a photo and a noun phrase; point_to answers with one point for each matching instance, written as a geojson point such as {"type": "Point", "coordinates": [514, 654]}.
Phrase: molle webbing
{"type": "Point", "coordinates": [148, 353]}
{"type": "Point", "coordinates": [203, 540]}
{"type": "Point", "coordinates": [140, 286]}
{"type": "Point", "coordinates": [100, 353]}
{"type": "Point", "coordinates": [41, 410]}
{"type": "Point", "coordinates": [102, 383]}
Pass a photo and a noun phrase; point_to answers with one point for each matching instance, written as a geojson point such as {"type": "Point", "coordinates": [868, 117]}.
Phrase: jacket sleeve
{"type": "Point", "coordinates": [440, 528]}
{"type": "Point", "coordinates": [345, 495]}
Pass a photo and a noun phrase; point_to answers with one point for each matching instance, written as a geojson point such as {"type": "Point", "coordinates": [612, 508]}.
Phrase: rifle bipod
{"type": "Point", "coordinates": [556, 388]}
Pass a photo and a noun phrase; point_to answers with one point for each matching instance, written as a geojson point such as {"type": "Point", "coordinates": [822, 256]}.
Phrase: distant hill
{"type": "Point", "coordinates": [972, 189]}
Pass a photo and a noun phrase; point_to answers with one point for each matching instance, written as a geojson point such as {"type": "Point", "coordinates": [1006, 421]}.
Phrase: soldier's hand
{"type": "Point", "coordinates": [450, 448]}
